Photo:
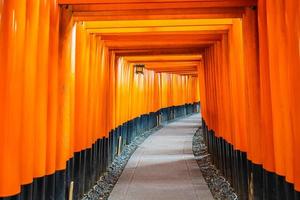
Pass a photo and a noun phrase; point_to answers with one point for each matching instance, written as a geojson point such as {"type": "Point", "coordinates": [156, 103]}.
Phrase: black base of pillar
{"type": "Point", "coordinates": [249, 180]}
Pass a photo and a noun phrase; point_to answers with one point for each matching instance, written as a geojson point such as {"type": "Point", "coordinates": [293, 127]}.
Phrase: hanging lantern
{"type": "Point", "coordinates": [139, 68]}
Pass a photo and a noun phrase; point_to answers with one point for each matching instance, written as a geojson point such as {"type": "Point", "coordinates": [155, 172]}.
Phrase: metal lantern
{"type": "Point", "coordinates": [139, 68]}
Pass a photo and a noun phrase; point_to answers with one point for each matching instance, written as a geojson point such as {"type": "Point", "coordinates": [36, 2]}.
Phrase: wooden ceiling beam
{"type": "Point", "coordinates": [175, 72]}
{"type": "Point", "coordinates": [161, 5]}
{"type": "Point", "coordinates": [144, 29]}
{"type": "Point", "coordinates": [162, 62]}
{"type": "Point", "coordinates": [187, 72]}
{"type": "Point", "coordinates": [170, 64]}
{"type": "Point", "coordinates": [200, 47]}
{"type": "Point", "coordinates": [204, 3]}
{"type": "Point", "coordinates": [145, 14]}
{"type": "Point", "coordinates": [163, 58]}
{"type": "Point", "coordinates": [165, 34]}
{"type": "Point", "coordinates": [178, 72]}
{"type": "Point", "coordinates": [159, 29]}
{"type": "Point", "coordinates": [96, 17]}
{"type": "Point", "coordinates": [116, 44]}
{"type": "Point", "coordinates": [174, 69]}
{"type": "Point", "coordinates": [165, 37]}
{"type": "Point", "coordinates": [159, 51]}
{"type": "Point", "coordinates": [156, 23]}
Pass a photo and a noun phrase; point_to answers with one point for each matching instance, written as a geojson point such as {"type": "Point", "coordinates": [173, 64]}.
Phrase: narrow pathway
{"type": "Point", "coordinates": [163, 167]}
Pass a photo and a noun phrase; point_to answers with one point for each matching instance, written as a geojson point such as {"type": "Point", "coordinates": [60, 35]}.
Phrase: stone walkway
{"type": "Point", "coordinates": [163, 167]}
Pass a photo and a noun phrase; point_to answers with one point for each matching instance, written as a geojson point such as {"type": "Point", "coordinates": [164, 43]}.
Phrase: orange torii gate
{"type": "Point", "coordinates": [67, 82]}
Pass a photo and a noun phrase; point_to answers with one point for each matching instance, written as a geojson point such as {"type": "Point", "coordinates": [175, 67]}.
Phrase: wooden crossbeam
{"type": "Point", "coordinates": [133, 3]}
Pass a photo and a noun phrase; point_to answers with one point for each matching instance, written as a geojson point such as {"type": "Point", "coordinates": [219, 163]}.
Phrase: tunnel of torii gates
{"type": "Point", "coordinates": [69, 88]}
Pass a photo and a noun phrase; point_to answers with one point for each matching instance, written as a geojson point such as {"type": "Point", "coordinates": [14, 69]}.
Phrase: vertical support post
{"type": "Point", "coordinates": [119, 145]}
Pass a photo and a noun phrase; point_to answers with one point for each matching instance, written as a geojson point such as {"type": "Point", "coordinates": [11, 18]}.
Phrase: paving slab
{"type": "Point", "coordinates": [164, 167]}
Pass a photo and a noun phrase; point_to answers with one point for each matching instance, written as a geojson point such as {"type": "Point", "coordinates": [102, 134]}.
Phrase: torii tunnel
{"type": "Point", "coordinates": [81, 79]}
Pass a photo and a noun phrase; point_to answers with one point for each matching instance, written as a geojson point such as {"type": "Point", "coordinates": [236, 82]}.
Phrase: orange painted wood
{"type": "Point", "coordinates": [52, 103]}
{"type": "Point", "coordinates": [56, 100]}
{"type": "Point", "coordinates": [265, 92]}
{"type": "Point", "coordinates": [12, 34]}
{"type": "Point", "coordinates": [204, 3]}
{"type": "Point", "coordinates": [29, 92]}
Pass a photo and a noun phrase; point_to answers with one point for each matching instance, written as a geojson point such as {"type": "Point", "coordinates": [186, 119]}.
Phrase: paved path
{"type": "Point", "coordinates": [163, 167]}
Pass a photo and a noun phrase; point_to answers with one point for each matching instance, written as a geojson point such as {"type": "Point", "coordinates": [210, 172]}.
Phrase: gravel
{"type": "Point", "coordinates": [218, 185]}
{"type": "Point", "coordinates": [102, 189]}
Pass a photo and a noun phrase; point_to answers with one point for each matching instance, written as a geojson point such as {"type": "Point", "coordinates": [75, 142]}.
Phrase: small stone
{"type": "Point", "coordinates": [218, 185]}
{"type": "Point", "coordinates": [106, 182]}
